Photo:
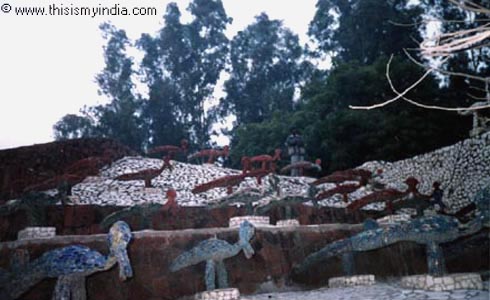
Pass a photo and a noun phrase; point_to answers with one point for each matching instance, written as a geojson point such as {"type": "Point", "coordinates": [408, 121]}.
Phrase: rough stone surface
{"type": "Point", "coordinates": [24, 166]}
{"type": "Point", "coordinates": [462, 169]}
{"type": "Point", "coordinates": [379, 291]}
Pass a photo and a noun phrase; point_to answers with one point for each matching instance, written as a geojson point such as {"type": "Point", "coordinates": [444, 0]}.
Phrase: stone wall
{"type": "Point", "coordinates": [85, 219]}
{"type": "Point", "coordinates": [277, 250]}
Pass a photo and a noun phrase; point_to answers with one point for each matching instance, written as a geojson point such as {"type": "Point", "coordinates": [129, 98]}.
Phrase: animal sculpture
{"type": "Point", "coordinates": [71, 265]}
{"type": "Point", "coordinates": [213, 251]}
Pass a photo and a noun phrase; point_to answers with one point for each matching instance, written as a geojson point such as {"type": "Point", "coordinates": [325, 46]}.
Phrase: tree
{"type": "Point", "coordinates": [181, 66]}
{"type": "Point", "coordinates": [120, 118]}
{"type": "Point", "coordinates": [363, 30]}
{"type": "Point", "coordinates": [266, 69]}
{"type": "Point", "coordinates": [73, 126]}
{"type": "Point", "coordinates": [462, 53]}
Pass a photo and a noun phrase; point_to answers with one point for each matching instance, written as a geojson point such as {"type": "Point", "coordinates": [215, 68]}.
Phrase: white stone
{"type": "Point", "coordinates": [36, 233]}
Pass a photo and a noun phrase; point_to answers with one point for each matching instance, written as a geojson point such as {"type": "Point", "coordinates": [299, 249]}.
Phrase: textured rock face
{"type": "Point", "coordinates": [105, 190]}
{"type": "Point", "coordinates": [277, 251]}
{"type": "Point", "coordinates": [24, 166]}
{"type": "Point", "coordinates": [462, 169]}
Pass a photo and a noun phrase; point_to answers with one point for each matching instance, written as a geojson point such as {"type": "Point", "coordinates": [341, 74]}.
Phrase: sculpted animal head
{"type": "Point", "coordinates": [245, 234]}
{"type": "Point", "coordinates": [118, 238]}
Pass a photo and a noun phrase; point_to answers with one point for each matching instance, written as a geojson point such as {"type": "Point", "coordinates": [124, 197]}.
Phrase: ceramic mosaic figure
{"type": "Point", "coordinates": [431, 231]}
{"type": "Point", "coordinates": [71, 265]}
{"type": "Point", "coordinates": [213, 251]}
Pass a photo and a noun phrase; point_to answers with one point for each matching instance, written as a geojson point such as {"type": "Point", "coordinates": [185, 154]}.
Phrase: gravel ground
{"type": "Point", "coordinates": [380, 291]}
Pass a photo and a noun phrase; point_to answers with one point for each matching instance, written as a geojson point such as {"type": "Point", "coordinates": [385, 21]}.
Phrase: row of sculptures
{"type": "Point", "coordinates": [72, 264]}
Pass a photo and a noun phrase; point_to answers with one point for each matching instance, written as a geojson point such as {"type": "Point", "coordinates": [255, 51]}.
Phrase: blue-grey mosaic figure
{"type": "Point", "coordinates": [213, 251]}
{"type": "Point", "coordinates": [71, 265]}
{"type": "Point", "coordinates": [431, 231]}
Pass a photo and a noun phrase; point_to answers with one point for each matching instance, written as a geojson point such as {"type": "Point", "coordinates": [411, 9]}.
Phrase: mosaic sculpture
{"type": "Point", "coordinates": [337, 177]}
{"type": "Point", "coordinates": [33, 204]}
{"type": "Point", "coordinates": [363, 178]}
{"type": "Point", "coordinates": [229, 181]}
{"type": "Point", "coordinates": [144, 212]}
{"type": "Point", "coordinates": [170, 150]}
{"type": "Point", "coordinates": [54, 182]}
{"type": "Point", "coordinates": [71, 265]}
{"type": "Point", "coordinates": [213, 251]}
{"type": "Point", "coordinates": [390, 196]}
{"type": "Point", "coordinates": [211, 154]}
{"type": "Point", "coordinates": [148, 174]}
{"type": "Point", "coordinates": [249, 196]}
{"type": "Point", "coordinates": [302, 166]}
{"type": "Point", "coordinates": [286, 204]}
{"type": "Point", "coordinates": [430, 231]}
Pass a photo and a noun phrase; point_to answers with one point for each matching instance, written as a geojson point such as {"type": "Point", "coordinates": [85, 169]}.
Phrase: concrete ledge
{"type": "Point", "coordinates": [36, 233]}
{"type": "Point", "coordinates": [257, 221]}
{"type": "Point", "coordinates": [456, 281]}
{"type": "Point", "coordinates": [219, 294]}
{"type": "Point", "coordinates": [347, 281]}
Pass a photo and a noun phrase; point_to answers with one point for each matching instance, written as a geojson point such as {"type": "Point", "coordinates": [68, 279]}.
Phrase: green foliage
{"type": "Point", "coordinates": [182, 65]}
{"type": "Point", "coordinates": [72, 127]}
{"type": "Point", "coordinates": [266, 69]}
{"type": "Point", "coordinates": [363, 30]}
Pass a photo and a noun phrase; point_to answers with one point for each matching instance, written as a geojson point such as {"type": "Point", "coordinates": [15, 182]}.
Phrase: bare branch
{"type": "Point", "coordinates": [471, 6]}
{"type": "Point", "coordinates": [445, 72]}
{"type": "Point", "coordinates": [398, 96]}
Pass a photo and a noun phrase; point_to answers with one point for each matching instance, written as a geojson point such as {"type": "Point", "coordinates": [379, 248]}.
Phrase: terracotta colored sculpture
{"type": "Point", "coordinates": [170, 150]}
{"type": "Point", "coordinates": [210, 154]}
{"type": "Point", "coordinates": [360, 175]}
{"type": "Point", "coordinates": [71, 265]}
{"type": "Point", "coordinates": [171, 203]}
{"type": "Point", "coordinates": [389, 196]}
{"type": "Point", "coordinates": [213, 251]}
{"type": "Point", "coordinates": [74, 173]}
{"type": "Point", "coordinates": [55, 182]}
{"type": "Point", "coordinates": [148, 174]}
{"type": "Point", "coordinates": [267, 162]}
{"type": "Point", "coordinates": [301, 166]}
{"type": "Point", "coordinates": [91, 165]}
{"type": "Point", "coordinates": [229, 181]}
{"type": "Point", "coordinates": [342, 189]}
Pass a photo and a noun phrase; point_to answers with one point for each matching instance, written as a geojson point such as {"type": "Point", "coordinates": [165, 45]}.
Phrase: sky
{"type": "Point", "coordinates": [48, 63]}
